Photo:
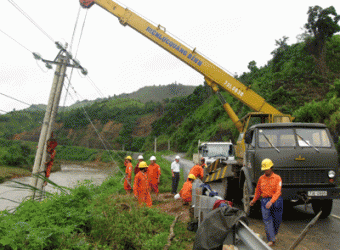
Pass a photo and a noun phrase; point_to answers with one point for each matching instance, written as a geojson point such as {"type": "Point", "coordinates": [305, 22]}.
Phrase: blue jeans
{"type": "Point", "coordinates": [272, 217]}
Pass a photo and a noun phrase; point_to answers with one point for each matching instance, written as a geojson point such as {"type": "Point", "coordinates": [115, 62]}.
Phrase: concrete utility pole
{"type": "Point", "coordinates": [39, 166]}
{"type": "Point", "coordinates": [155, 148]}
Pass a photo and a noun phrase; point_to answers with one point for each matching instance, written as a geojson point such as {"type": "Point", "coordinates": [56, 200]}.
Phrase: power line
{"type": "Point", "coordinates": [19, 100]}
{"type": "Point", "coordinates": [95, 129]}
{"type": "Point", "coordinates": [15, 41]}
{"type": "Point", "coordinates": [95, 87]}
{"type": "Point", "coordinates": [31, 20]}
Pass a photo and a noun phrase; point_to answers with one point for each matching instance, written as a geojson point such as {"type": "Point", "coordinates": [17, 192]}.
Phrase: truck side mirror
{"type": "Point", "coordinates": [248, 137]}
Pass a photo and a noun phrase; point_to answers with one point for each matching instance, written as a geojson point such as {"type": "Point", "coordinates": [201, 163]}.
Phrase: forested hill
{"type": "Point", "coordinates": [145, 94]}
{"type": "Point", "coordinates": [301, 79]}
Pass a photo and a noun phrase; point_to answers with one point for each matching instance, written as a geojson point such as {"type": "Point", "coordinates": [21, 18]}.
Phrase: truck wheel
{"type": "Point", "coordinates": [324, 205]}
{"type": "Point", "coordinates": [246, 199]}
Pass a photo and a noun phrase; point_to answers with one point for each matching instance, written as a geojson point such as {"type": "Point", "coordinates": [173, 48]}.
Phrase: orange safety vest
{"type": "Point", "coordinates": [268, 187]}
{"type": "Point", "coordinates": [186, 191]}
{"type": "Point", "coordinates": [141, 189]}
{"type": "Point", "coordinates": [197, 170]}
{"type": "Point", "coordinates": [154, 172]}
{"type": "Point", "coordinates": [128, 172]}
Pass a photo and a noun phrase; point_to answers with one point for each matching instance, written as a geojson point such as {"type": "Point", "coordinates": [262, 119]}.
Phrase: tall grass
{"type": "Point", "coordinates": [87, 217]}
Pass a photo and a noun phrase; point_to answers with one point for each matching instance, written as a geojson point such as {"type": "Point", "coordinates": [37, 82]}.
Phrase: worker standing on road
{"type": "Point", "coordinates": [128, 174]}
{"type": "Point", "coordinates": [269, 189]}
{"type": "Point", "coordinates": [175, 170]}
{"type": "Point", "coordinates": [140, 158]}
{"type": "Point", "coordinates": [198, 171]}
{"type": "Point", "coordinates": [141, 187]}
{"type": "Point", "coordinates": [204, 166]}
{"type": "Point", "coordinates": [154, 173]}
{"type": "Point", "coordinates": [186, 191]}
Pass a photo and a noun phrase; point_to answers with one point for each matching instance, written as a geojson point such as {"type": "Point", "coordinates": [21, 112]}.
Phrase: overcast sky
{"type": "Point", "coordinates": [120, 60]}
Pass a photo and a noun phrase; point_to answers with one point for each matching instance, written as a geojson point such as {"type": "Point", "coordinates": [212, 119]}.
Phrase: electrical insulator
{"type": "Point", "coordinates": [68, 54]}
{"type": "Point", "coordinates": [59, 45]}
{"type": "Point", "coordinates": [84, 71]}
{"type": "Point", "coordinates": [49, 66]}
{"type": "Point", "coordinates": [36, 56]}
{"type": "Point", "coordinates": [76, 62]}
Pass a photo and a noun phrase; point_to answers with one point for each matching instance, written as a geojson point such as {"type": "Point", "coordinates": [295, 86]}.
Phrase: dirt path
{"type": "Point", "coordinates": [171, 206]}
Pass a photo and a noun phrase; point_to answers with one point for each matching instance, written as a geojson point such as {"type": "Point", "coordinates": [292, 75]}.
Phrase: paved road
{"type": "Point", "coordinates": [185, 164]}
{"type": "Point", "coordinates": [324, 234]}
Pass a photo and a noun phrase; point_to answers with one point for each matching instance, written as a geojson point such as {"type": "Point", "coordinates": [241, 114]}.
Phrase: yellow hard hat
{"type": "Point", "coordinates": [128, 158]}
{"type": "Point", "coordinates": [143, 164]}
{"type": "Point", "coordinates": [266, 164]}
{"type": "Point", "coordinates": [191, 176]}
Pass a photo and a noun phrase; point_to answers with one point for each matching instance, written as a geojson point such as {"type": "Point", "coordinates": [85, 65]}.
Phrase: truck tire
{"type": "Point", "coordinates": [246, 199]}
{"type": "Point", "coordinates": [324, 205]}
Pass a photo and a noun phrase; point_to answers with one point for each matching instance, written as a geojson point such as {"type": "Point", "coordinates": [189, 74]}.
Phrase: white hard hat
{"type": "Point", "coordinates": [177, 157]}
{"type": "Point", "coordinates": [152, 158]}
{"type": "Point", "coordinates": [140, 157]}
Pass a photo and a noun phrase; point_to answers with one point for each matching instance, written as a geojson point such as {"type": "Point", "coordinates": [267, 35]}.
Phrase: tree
{"type": "Point", "coordinates": [279, 52]}
{"type": "Point", "coordinates": [252, 66]}
{"type": "Point", "coordinates": [321, 25]}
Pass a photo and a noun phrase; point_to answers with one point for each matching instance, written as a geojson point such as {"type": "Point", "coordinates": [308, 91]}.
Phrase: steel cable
{"type": "Point", "coordinates": [95, 129]}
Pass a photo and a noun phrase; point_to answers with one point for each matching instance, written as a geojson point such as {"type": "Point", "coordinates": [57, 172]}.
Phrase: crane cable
{"type": "Point", "coordinates": [75, 27]}
{"type": "Point", "coordinates": [71, 44]}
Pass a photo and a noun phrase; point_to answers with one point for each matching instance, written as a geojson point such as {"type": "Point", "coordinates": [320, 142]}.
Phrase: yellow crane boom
{"type": "Point", "coordinates": [214, 76]}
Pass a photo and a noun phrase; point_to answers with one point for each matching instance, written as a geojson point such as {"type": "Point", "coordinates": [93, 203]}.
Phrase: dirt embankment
{"type": "Point", "coordinates": [88, 136]}
{"type": "Point", "coordinates": [143, 125]}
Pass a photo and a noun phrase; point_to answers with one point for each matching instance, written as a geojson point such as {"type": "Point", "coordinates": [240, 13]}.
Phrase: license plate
{"type": "Point", "coordinates": [317, 193]}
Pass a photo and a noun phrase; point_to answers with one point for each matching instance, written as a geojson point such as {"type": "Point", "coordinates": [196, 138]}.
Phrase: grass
{"type": "Point", "coordinates": [7, 173]}
{"type": "Point", "coordinates": [93, 217]}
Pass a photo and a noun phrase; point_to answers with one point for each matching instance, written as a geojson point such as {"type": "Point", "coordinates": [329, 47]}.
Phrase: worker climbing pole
{"type": "Point", "coordinates": [40, 163]}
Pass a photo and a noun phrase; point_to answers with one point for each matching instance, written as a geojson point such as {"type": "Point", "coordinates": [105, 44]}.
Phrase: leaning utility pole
{"type": "Point", "coordinates": [39, 167]}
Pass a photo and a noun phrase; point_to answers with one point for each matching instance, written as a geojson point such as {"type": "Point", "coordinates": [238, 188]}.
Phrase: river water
{"type": "Point", "coordinates": [69, 176]}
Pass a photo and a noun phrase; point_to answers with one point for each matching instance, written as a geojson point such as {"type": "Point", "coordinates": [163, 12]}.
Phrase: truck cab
{"type": "Point", "coordinates": [211, 151]}
{"type": "Point", "coordinates": [305, 157]}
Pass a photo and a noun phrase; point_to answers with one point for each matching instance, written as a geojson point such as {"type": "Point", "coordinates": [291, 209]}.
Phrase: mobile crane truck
{"type": "Point", "coordinates": [303, 153]}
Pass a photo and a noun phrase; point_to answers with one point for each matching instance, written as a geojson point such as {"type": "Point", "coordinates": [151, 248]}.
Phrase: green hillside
{"type": "Point", "coordinates": [301, 79]}
{"type": "Point", "coordinates": [160, 93]}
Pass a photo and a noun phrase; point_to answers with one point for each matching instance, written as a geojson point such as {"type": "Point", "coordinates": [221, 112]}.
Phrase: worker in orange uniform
{"type": "Point", "coordinates": [269, 189]}
{"type": "Point", "coordinates": [186, 191]}
{"type": "Point", "coordinates": [198, 171]}
{"type": "Point", "coordinates": [154, 173]}
{"type": "Point", "coordinates": [51, 152]}
{"type": "Point", "coordinates": [141, 188]}
{"type": "Point", "coordinates": [140, 158]}
{"type": "Point", "coordinates": [128, 174]}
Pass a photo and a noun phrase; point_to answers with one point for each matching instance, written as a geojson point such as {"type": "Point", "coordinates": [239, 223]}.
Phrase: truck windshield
{"type": "Point", "coordinates": [216, 150]}
{"type": "Point", "coordinates": [308, 137]}
{"type": "Point", "coordinates": [277, 137]}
